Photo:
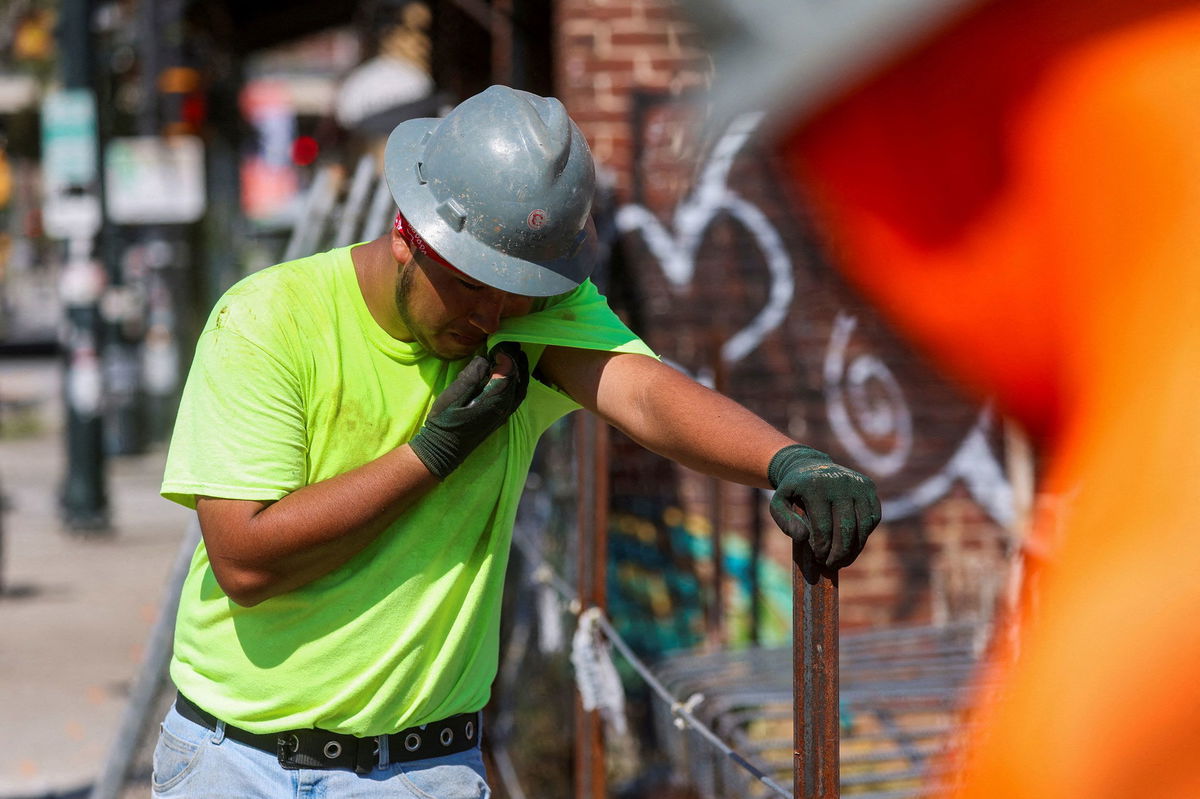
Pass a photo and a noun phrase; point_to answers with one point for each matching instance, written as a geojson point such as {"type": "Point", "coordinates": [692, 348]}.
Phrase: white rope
{"type": "Point", "coordinates": [596, 677]}
{"type": "Point", "coordinates": [550, 626]}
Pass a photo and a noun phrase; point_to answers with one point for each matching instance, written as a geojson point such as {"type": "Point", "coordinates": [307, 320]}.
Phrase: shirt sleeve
{"type": "Point", "coordinates": [581, 318]}
{"type": "Point", "coordinates": [240, 432]}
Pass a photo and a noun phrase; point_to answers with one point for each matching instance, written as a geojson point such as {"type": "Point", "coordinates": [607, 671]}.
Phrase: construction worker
{"type": "Point", "coordinates": [1018, 189]}
{"type": "Point", "coordinates": [355, 434]}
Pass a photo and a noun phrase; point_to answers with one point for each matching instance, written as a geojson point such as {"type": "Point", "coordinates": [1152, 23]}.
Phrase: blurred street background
{"type": "Point", "coordinates": [152, 152]}
{"type": "Point", "coordinates": [76, 611]}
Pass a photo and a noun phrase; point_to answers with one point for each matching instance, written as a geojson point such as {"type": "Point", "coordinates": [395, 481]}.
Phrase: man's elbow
{"type": "Point", "coordinates": [244, 587]}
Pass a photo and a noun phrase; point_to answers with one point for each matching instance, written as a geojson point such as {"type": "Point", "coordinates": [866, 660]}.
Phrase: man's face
{"type": "Point", "coordinates": [449, 313]}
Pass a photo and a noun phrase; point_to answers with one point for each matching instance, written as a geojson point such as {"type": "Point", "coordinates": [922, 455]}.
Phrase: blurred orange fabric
{"type": "Point", "coordinates": [1021, 195]}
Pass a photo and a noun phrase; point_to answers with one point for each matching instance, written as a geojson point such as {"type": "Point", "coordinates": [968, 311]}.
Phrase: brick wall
{"type": "Point", "coordinates": [717, 266]}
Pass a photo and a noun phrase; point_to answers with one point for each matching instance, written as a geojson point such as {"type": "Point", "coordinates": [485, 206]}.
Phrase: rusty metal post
{"type": "Point", "coordinates": [715, 612]}
{"type": "Point", "coordinates": [816, 773]}
{"type": "Point", "coordinates": [756, 548]}
{"type": "Point", "coordinates": [591, 446]}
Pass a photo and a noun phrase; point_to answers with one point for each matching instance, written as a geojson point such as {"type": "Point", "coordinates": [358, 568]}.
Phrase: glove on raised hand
{"type": "Point", "coordinates": [471, 408]}
{"type": "Point", "coordinates": [840, 506]}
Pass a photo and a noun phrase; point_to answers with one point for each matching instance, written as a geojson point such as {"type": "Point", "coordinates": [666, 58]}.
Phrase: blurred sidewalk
{"type": "Point", "coordinates": [76, 612]}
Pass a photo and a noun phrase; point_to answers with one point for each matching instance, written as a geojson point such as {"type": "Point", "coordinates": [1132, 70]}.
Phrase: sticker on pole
{"type": "Point", "coordinates": [70, 205]}
{"type": "Point", "coordinates": [150, 180]}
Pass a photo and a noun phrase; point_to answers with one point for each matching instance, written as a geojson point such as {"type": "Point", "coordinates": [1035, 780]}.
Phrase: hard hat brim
{"type": "Point", "coordinates": [459, 247]}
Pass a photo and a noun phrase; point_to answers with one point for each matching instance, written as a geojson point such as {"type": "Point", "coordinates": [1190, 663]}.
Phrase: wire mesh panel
{"type": "Point", "coordinates": [904, 693]}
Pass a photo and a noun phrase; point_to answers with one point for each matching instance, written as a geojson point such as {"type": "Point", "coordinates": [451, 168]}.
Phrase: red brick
{"type": "Point", "coordinates": [601, 12]}
{"type": "Point", "coordinates": [588, 115]}
{"type": "Point", "coordinates": [641, 39]}
{"type": "Point", "coordinates": [696, 62]}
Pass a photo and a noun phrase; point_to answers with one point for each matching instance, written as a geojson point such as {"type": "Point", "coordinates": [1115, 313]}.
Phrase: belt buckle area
{"type": "Point", "coordinates": [303, 749]}
{"type": "Point", "coordinates": [366, 758]}
{"type": "Point", "coordinates": [287, 744]}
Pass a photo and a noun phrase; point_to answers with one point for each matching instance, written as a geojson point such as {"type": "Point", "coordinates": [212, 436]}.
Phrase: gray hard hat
{"type": "Point", "coordinates": [501, 188]}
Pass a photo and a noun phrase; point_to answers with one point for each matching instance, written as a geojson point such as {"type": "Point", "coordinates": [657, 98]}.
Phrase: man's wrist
{"type": "Point", "coordinates": [439, 463]}
{"type": "Point", "coordinates": [783, 461]}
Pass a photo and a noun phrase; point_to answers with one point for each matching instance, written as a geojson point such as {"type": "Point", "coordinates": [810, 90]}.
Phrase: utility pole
{"type": "Point", "coordinates": [159, 248]}
{"type": "Point", "coordinates": [72, 212]}
{"type": "Point", "coordinates": [122, 308]}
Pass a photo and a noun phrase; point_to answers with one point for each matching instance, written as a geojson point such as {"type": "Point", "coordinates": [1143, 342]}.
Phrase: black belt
{"type": "Point", "coordinates": [319, 749]}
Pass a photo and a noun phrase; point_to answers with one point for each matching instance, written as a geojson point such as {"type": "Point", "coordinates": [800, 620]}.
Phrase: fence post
{"type": "Point", "coordinates": [756, 547]}
{"type": "Point", "coordinates": [816, 774]}
{"type": "Point", "coordinates": [591, 446]}
{"type": "Point", "coordinates": [715, 632]}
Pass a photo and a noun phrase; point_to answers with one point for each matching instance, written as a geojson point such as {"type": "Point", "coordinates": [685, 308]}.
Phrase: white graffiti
{"type": "Point", "coordinates": [676, 251]}
{"type": "Point", "coordinates": [866, 396]}
{"type": "Point", "coordinates": [976, 466]}
{"type": "Point", "coordinates": [851, 404]}
{"type": "Point", "coordinates": [861, 395]}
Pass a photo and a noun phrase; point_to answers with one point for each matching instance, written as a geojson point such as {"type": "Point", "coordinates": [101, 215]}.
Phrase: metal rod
{"type": "Point", "coordinates": [815, 677]}
{"type": "Point", "coordinates": [356, 198]}
{"type": "Point", "coordinates": [756, 547]}
{"type": "Point", "coordinates": [716, 615]}
{"type": "Point", "coordinates": [318, 204]}
{"type": "Point", "coordinates": [376, 220]}
{"type": "Point", "coordinates": [715, 632]}
{"type": "Point", "coordinates": [592, 454]}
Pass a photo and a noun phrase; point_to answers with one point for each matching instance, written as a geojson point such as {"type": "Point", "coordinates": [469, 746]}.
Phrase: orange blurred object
{"type": "Point", "coordinates": [1022, 196]}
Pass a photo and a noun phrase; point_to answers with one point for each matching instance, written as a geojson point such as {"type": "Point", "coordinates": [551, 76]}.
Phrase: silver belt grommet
{"type": "Point", "coordinates": [332, 749]}
{"type": "Point", "coordinates": [469, 730]}
{"type": "Point", "coordinates": [412, 742]}
{"type": "Point", "coordinates": [447, 736]}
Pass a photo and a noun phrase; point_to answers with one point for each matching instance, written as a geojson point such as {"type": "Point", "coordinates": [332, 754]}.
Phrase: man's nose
{"type": "Point", "coordinates": [488, 311]}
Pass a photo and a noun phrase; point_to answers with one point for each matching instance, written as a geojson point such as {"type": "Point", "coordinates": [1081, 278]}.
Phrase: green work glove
{"type": "Point", "coordinates": [471, 408]}
{"type": "Point", "coordinates": [840, 506]}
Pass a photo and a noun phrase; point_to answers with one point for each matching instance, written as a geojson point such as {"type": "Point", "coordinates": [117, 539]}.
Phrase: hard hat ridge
{"type": "Point", "coordinates": [550, 129]}
{"type": "Point", "coordinates": [502, 188]}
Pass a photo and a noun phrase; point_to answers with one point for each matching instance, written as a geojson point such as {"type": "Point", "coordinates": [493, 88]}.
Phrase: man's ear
{"type": "Point", "coordinates": [400, 248]}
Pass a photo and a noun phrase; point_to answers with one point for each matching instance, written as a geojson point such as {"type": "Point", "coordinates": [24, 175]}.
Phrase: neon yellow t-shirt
{"type": "Point", "coordinates": [294, 382]}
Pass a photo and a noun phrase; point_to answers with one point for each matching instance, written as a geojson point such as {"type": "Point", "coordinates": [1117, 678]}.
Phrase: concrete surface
{"type": "Point", "coordinates": [75, 613]}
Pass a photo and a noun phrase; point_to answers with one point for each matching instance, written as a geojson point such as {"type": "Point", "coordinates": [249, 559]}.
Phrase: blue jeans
{"type": "Point", "coordinates": [192, 762]}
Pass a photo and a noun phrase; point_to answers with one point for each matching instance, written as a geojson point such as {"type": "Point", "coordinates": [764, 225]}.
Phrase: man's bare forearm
{"type": "Point", "coordinates": [830, 507]}
{"type": "Point", "coordinates": [669, 413]}
{"type": "Point", "coordinates": [702, 430]}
